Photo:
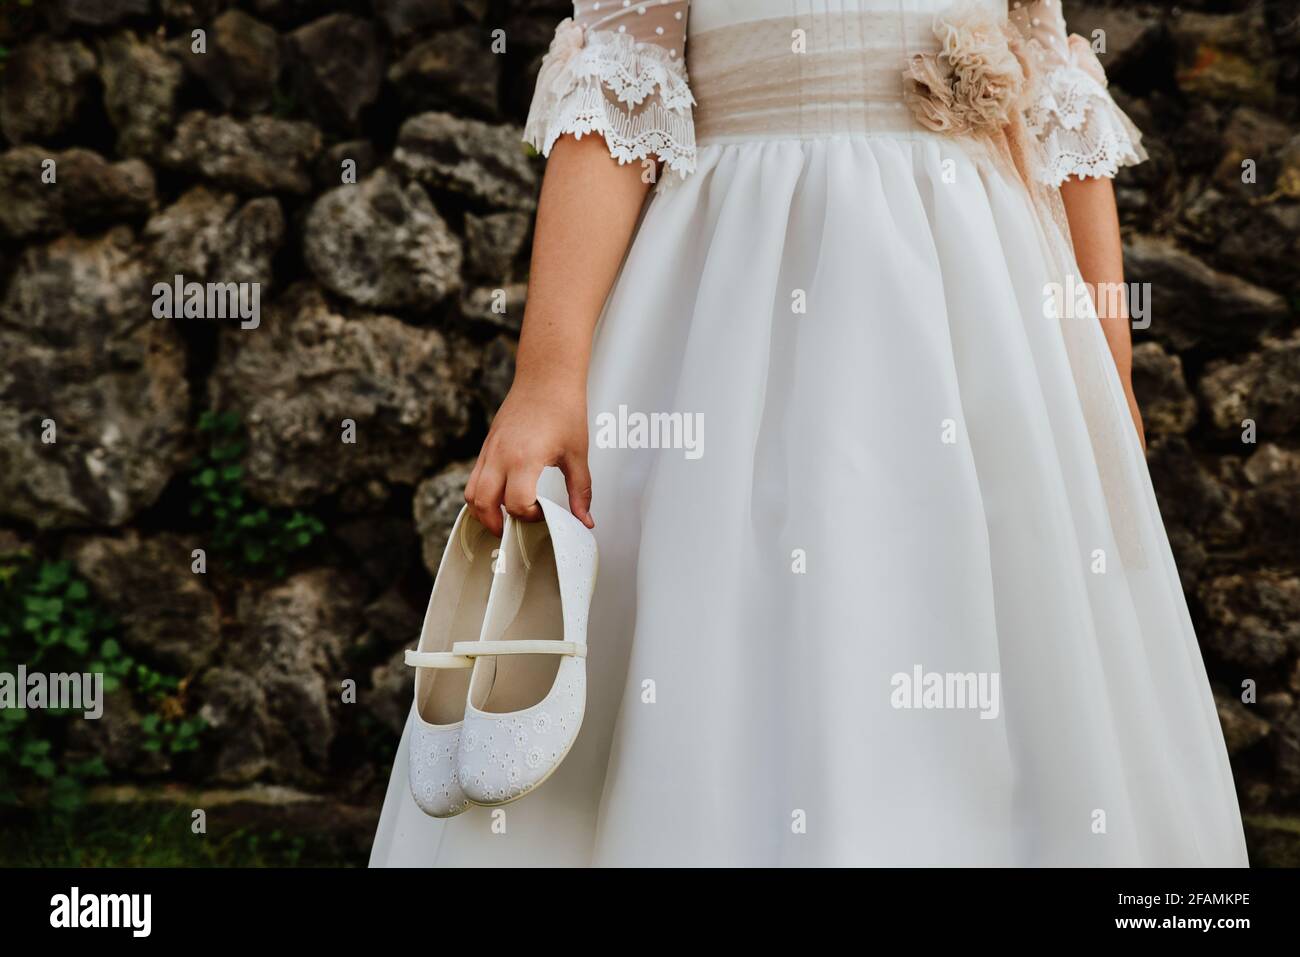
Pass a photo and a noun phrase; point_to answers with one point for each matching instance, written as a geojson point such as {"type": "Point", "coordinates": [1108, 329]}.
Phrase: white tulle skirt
{"type": "Point", "coordinates": [900, 491]}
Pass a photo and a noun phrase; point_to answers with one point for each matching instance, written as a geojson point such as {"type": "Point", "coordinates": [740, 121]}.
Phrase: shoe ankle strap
{"type": "Point", "coordinates": [437, 659]}
{"type": "Point", "coordinates": [536, 646]}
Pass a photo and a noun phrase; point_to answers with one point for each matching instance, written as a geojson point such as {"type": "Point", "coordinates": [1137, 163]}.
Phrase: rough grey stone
{"type": "Point", "coordinates": [1168, 407]}
{"type": "Point", "coordinates": [1242, 728]}
{"type": "Point", "coordinates": [233, 708]}
{"type": "Point", "coordinates": [93, 13]}
{"type": "Point", "coordinates": [1273, 840]}
{"type": "Point", "coordinates": [82, 350]}
{"type": "Point", "coordinates": [483, 162]}
{"type": "Point", "coordinates": [454, 69]}
{"type": "Point", "coordinates": [382, 546]}
{"type": "Point", "coordinates": [294, 645]}
{"type": "Point", "coordinates": [307, 369]}
{"type": "Point", "coordinates": [381, 244]}
{"type": "Point", "coordinates": [187, 12]}
{"type": "Point", "coordinates": [1128, 32]}
{"type": "Point", "coordinates": [45, 85]}
{"type": "Point", "coordinates": [1265, 387]}
{"type": "Point", "coordinates": [438, 500]}
{"type": "Point", "coordinates": [1225, 56]}
{"type": "Point", "coordinates": [1271, 505]}
{"type": "Point", "coordinates": [260, 155]}
{"type": "Point", "coordinates": [501, 307]}
{"type": "Point", "coordinates": [1254, 621]}
{"type": "Point", "coordinates": [1286, 742]}
{"type": "Point", "coordinates": [214, 237]}
{"type": "Point", "coordinates": [140, 81]}
{"type": "Point", "coordinates": [496, 374]}
{"type": "Point", "coordinates": [87, 189]}
{"type": "Point", "coordinates": [1192, 303]}
{"type": "Point", "coordinates": [329, 167]}
{"type": "Point", "coordinates": [494, 242]}
{"type": "Point", "coordinates": [241, 64]}
{"type": "Point", "coordinates": [406, 18]}
{"type": "Point", "coordinates": [1249, 134]}
{"type": "Point", "coordinates": [392, 620]}
{"type": "Point", "coordinates": [337, 66]}
{"type": "Point", "coordinates": [168, 614]}
{"type": "Point", "coordinates": [116, 739]}
{"type": "Point", "coordinates": [392, 686]}
{"type": "Point", "coordinates": [288, 11]}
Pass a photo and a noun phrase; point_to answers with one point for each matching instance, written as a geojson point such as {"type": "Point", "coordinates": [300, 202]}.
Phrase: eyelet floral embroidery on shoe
{"type": "Point", "coordinates": [512, 737]}
{"type": "Point", "coordinates": [431, 768]}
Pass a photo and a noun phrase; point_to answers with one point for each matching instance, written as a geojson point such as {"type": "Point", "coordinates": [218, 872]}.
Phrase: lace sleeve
{"type": "Point", "coordinates": [1083, 132]}
{"type": "Point", "coordinates": [618, 68]}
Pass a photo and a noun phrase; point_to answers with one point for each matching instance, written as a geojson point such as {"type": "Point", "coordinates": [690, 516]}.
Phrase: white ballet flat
{"type": "Point", "coordinates": [456, 609]}
{"type": "Point", "coordinates": [528, 690]}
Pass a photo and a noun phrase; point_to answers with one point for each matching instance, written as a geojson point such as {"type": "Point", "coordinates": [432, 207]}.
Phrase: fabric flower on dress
{"type": "Point", "coordinates": [929, 93]}
{"type": "Point", "coordinates": [976, 80]}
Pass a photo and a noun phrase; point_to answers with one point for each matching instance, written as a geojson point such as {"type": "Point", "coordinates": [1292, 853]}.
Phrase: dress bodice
{"type": "Point", "coordinates": [657, 78]}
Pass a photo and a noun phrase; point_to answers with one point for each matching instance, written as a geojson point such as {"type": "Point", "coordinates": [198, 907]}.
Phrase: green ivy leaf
{"type": "Point", "coordinates": [54, 573]}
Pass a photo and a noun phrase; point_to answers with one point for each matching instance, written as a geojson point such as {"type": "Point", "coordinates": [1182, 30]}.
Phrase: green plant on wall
{"type": "Point", "coordinates": [50, 622]}
{"type": "Point", "coordinates": [254, 538]}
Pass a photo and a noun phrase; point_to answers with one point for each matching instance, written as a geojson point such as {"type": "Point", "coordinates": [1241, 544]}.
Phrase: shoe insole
{"type": "Point", "coordinates": [522, 681]}
{"type": "Point", "coordinates": [443, 690]}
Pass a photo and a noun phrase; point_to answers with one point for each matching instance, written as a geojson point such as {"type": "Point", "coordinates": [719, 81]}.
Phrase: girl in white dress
{"type": "Point", "coordinates": [885, 582]}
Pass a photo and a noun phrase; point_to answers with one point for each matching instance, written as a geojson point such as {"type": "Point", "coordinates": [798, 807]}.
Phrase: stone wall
{"type": "Point", "coordinates": [234, 165]}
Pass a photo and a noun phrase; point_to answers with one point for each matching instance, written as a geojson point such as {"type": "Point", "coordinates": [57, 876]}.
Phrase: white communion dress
{"type": "Point", "coordinates": [900, 594]}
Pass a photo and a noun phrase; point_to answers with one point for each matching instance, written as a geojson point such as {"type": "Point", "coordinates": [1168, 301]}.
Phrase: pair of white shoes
{"type": "Point", "coordinates": [501, 679]}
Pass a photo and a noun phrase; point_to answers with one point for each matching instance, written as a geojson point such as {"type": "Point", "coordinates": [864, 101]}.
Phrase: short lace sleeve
{"type": "Point", "coordinates": [618, 68]}
{"type": "Point", "coordinates": [1083, 132]}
